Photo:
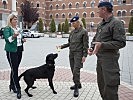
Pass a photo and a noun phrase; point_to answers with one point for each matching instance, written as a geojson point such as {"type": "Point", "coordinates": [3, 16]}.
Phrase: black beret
{"type": "Point", "coordinates": [105, 4]}
{"type": "Point", "coordinates": [75, 18]}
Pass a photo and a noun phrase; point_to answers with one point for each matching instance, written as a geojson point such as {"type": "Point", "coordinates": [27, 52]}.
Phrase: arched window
{"type": "Point", "coordinates": [119, 13]}
{"type": "Point", "coordinates": [70, 15]}
{"type": "Point", "coordinates": [70, 5]}
{"type": "Point", "coordinates": [63, 6]}
{"type": "Point", "coordinates": [57, 7]}
{"type": "Point", "coordinates": [123, 13]}
{"type": "Point", "coordinates": [57, 15]}
{"type": "Point", "coordinates": [132, 13]}
{"type": "Point", "coordinates": [77, 14]}
{"type": "Point", "coordinates": [32, 4]}
{"type": "Point", "coordinates": [84, 15]}
{"type": "Point", "coordinates": [92, 4]}
{"type": "Point", "coordinates": [124, 1]}
{"type": "Point", "coordinates": [63, 15]}
{"type": "Point", "coordinates": [16, 4]}
{"type": "Point", "coordinates": [92, 14]}
{"type": "Point", "coordinates": [21, 5]}
{"type": "Point", "coordinates": [119, 2]}
{"type": "Point", "coordinates": [51, 7]}
{"type": "Point", "coordinates": [111, 1]}
{"type": "Point", "coordinates": [131, 1]}
{"type": "Point", "coordinates": [51, 16]}
{"type": "Point", "coordinates": [77, 5]}
{"type": "Point", "coordinates": [37, 5]}
{"type": "Point", "coordinates": [84, 4]}
{"type": "Point", "coordinates": [4, 4]}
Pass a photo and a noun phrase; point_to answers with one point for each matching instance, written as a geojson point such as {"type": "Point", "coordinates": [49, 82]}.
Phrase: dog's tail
{"type": "Point", "coordinates": [21, 76]}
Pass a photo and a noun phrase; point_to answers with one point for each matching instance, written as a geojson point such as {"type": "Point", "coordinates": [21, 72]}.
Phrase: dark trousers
{"type": "Point", "coordinates": [14, 59]}
{"type": "Point", "coordinates": [76, 64]}
{"type": "Point", "coordinates": [108, 77]}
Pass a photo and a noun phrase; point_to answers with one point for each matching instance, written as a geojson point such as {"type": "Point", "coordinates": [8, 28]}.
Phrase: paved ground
{"type": "Point", "coordinates": [62, 83]}
{"type": "Point", "coordinates": [62, 78]}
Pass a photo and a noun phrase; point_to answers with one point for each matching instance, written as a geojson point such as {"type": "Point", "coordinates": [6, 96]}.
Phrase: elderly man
{"type": "Point", "coordinates": [109, 38]}
{"type": "Point", "coordinates": [78, 46]}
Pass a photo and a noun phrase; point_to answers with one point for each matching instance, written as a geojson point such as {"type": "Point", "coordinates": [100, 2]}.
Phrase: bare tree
{"type": "Point", "coordinates": [29, 13]}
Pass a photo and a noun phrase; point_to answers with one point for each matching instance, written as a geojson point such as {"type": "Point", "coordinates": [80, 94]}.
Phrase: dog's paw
{"type": "Point", "coordinates": [30, 95]}
{"type": "Point", "coordinates": [54, 92]}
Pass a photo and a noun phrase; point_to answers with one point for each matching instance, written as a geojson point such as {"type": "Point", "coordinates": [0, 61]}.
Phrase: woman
{"type": "Point", "coordinates": [13, 48]}
{"type": "Point", "coordinates": [78, 46]}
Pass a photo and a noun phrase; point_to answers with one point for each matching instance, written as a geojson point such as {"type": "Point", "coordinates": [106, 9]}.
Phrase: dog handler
{"type": "Point", "coordinates": [78, 46]}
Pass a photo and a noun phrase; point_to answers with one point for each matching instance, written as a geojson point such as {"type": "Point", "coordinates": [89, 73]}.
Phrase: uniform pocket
{"type": "Point", "coordinates": [112, 78]}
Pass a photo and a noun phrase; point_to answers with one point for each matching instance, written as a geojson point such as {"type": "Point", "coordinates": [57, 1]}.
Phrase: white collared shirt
{"type": "Point", "coordinates": [19, 37]}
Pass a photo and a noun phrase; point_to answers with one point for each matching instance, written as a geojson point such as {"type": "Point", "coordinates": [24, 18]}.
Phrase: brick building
{"type": "Point", "coordinates": [62, 9]}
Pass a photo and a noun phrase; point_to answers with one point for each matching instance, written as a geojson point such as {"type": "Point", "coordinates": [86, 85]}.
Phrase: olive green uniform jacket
{"type": "Point", "coordinates": [78, 41]}
{"type": "Point", "coordinates": [78, 45]}
{"type": "Point", "coordinates": [111, 34]}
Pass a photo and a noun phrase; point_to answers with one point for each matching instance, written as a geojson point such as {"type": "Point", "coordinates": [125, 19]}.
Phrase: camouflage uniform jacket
{"type": "Point", "coordinates": [78, 41]}
{"type": "Point", "coordinates": [112, 35]}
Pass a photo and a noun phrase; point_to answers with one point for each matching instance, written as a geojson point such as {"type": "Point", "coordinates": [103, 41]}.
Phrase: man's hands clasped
{"type": "Point", "coordinates": [92, 51]}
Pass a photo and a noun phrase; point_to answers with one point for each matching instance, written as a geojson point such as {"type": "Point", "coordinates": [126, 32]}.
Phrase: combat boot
{"type": "Point", "coordinates": [73, 87]}
{"type": "Point", "coordinates": [76, 91]}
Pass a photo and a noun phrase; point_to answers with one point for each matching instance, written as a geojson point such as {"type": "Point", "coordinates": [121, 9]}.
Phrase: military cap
{"type": "Point", "coordinates": [75, 18]}
{"type": "Point", "coordinates": [105, 4]}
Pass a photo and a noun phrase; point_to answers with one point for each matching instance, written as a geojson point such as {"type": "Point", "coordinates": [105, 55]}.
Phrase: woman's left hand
{"type": "Point", "coordinates": [83, 59]}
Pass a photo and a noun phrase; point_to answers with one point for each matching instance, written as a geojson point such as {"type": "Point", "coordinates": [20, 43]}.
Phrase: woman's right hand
{"type": "Point", "coordinates": [90, 51]}
{"type": "Point", "coordinates": [15, 35]}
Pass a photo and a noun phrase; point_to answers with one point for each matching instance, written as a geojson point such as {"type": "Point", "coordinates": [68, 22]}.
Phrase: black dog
{"type": "Point", "coordinates": [44, 71]}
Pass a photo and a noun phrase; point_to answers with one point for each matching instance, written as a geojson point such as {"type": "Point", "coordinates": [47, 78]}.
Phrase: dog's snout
{"type": "Point", "coordinates": [56, 55]}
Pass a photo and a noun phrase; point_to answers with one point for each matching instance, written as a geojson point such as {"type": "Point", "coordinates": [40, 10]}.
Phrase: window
{"type": "Point", "coordinates": [70, 5]}
{"type": "Point", "coordinates": [92, 14]}
{"type": "Point", "coordinates": [57, 7]}
{"type": "Point", "coordinates": [77, 5]}
{"type": "Point", "coordinates": [63, 15]}
{"type": "Point", "coordinates": [124, 1]}
{"type": "Point", "coordinates": [37, 5]}
{"type": "Point", "coordinates": [111, 1]}
{"type": "Point", "coordinates": [51, 16]}
{"type": "Point", "coordinates": [70, 15]}
{"type": "Point", "coordinates": [132, 13]}
{"type": "Point", "coordinates": [92, 4]}
{"type": "Point", "coordinates": [77, 14]}
{"type": "Point", "coordinates": [84, 4]}
{"type": "Point", "coordinates": [123, 13]}
{"type": "Point", "coordinates": [119, 2]}
{"type": "Point", "coordinates": [119, 13]}
{"type": "Point", "coordinates": [0, 16]}
{"type": "Point", "coordinates": [4, 5]}
{"type": "Point", "coordinates": [57, 16]}
{"type": "Point", "coordinates": [131, 1]}
{"type": "Point", "coordinates": [32, 4]}
{"type": "Point", "coordinates": [63, 6]}
{"type": "Point", "coordinates": [51, 7]}
{"type": "Point", "coordinates": [84, 15]}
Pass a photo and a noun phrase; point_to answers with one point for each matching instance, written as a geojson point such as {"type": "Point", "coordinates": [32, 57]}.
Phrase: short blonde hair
{"type": "Point", "coordinates": [9, 19]}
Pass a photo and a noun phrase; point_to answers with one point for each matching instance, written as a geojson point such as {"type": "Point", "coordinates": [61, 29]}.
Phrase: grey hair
{"type": "Point", "coordinates": [80, 22]}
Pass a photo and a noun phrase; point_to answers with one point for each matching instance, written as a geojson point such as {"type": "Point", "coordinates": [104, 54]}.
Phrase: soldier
{"type": "Point", "coordinates": [78, 46]}
{"type": "Point", "coordinates": [109, 38]}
